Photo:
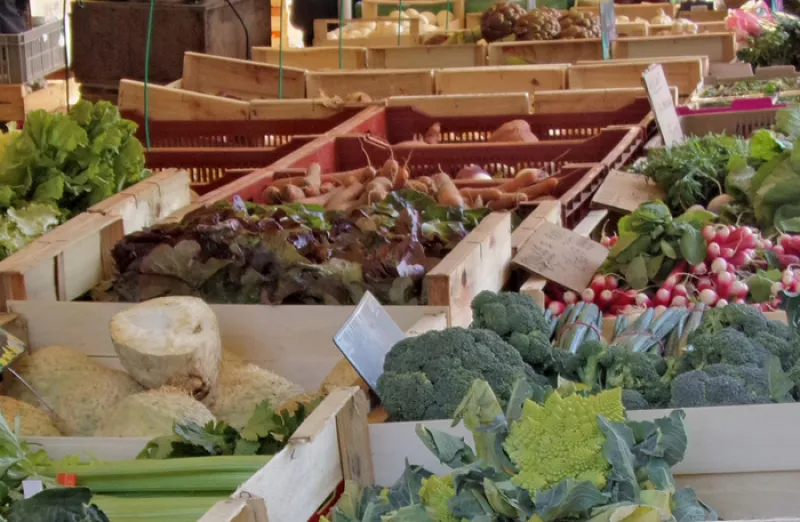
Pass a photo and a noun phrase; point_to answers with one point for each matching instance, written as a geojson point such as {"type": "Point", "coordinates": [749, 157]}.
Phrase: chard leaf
{"type": "Point", "coordinates": [668, 250]}
{"type": "Point", "coordinates": [672, 440]}
{"type": "Point", "coordinates": [787, 219]}
{"type": "Point", "coordinates": [449, 449]}
{"type": "Point", "coordinates": [617, 450]}
{"type": "Point", "coordinates": [693, 245]}
{"type": "Point", "coordinates": [660, 474]}
{"type": "Point", "coordinates": [405, 492]}
{"type": "Point", "coordinates": [654, 264]}
{"type": "Point", "coordinates": [568, 499]}
{"type": "Point", "coordinates": [636, 273]}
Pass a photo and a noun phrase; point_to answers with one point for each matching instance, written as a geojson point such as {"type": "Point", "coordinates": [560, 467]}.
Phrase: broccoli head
{"type": "Point", "coordinates": [721, 385]}
{"type": "Point", "coordinates": [427, 376]}
{"type": "Point", "coordinates": [784, 349]}
{"type": "Point", "coordinates": [507, 312]}
{"type": "Point", "coordinates": [582, 366]}
{"type": "Point", "coordinates": [639, 371]}
{"type": "Point", "coordinates": [741, 317]}
{"type": "Point", "coordinates": [633, 400]}
{"type": "Point", "coordinates": [727, 346]}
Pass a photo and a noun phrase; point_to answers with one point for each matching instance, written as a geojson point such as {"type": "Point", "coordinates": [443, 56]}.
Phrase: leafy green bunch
{"type": "Point", "coordinates": [572, 457]}
{"type": "Point", "coordinates": [778, 45]}
{"type": "Point", "coordinates": [651, 242]}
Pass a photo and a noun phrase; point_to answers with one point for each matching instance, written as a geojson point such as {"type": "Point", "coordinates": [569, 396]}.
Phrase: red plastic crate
{"type": "Point", "coordinates": [398, 124]}
{"type": "Point", "coordinates": [581, 164]}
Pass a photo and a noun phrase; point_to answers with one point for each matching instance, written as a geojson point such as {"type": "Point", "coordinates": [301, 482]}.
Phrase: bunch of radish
{"type": "Point", "coordinates": [603, 291]}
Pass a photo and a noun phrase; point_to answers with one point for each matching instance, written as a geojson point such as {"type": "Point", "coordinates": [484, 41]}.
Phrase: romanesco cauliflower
{"type": "Point", "coordinates": [561, 440]}
{"type": "Point", "coordinates": [435, 492]}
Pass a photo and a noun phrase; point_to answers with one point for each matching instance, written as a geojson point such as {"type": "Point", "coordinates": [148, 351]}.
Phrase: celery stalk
{"type": "Point", "coordinates": [155, 509]}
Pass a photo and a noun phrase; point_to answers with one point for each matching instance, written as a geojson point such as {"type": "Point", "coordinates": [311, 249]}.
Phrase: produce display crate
{"type": "Point", "coordinates": [108, 37]}
{"type": "Point", "coordinates": [542, 52]}
{"type": "Point", "coordinates": [685, 73]}
{"type": "Point", "coordinates": [17, 100]}
{"type": "Point", "coordinates": [632, 29]}
{"type": "Point", "coordinates": [30, 56]}
{"type": "Point", "coordinates": [409, 36]}
{"type": "Point", "coordinates": [426, 56]}
{"type": "Point", "coordinates": [589, 100]}
{"type": "Point", "coordinates": [399, 124]}
{"type": "Point", "coordinates": [377, 84]}
{"type": "Point", "coordinates": [466, 104]}
{"type": "Point", "coordinates": [375, 8]}
{"type": "Point", "coordinates": [738, 104]}
{"type": "Point", "coordinates": [314, 58]}
{"type": "Point", "coordinates": [705, 15]}
{"type": "Point", "coordinates": [170, 103]}
{"type": "Point", "coordinates": [719, 47]}
{"type": "Point", "coordinates": [633, 11]}
{"type": "Point", "coordinates": [738, 123]}
{"type": "Point", "coordinates": [69, 260]}
{"type": "Point", "coordinates": [493, 79]}
{"type": "Point", "coordinates": [702, 27]}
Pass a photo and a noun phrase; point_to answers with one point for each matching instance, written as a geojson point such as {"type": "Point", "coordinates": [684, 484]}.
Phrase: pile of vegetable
{"type": "Point", "coordinates": [750, 87]}
{"type": "Point", "coordinates": [659, 359]}
{"type": "Point", "coordinates": [292, 253]}
{"type": "Point", "coordinates": [59, 165]}
{"type": "Point", "coordinates": [777, 43]}
{"type": "Point", "coordinates": [176, 373]}
{"type": "Point", "coordinates": [543, 455]}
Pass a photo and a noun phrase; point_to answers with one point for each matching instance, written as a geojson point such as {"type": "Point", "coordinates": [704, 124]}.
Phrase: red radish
{"type": "Point", "coordinates": [749, 239]}
{"type": "Point", "coordinates": [556, 307]}
{"type": "Point", "coordinates": [718, 266]}
{"type": "Point", "coordinates": [708, 232]}
{"type": "Point", "coordinates": [612, 283]}
{"type": "Point", "coordinates": [708, 297]}
{"type": "Point", "coordinates": [788, 260]}
{"type": "Point", "coordinates": [605, 299]}
{"type": "Point", "coordinates": [605, 241]}
{"type": "Point", "coordinates": [795, 286]}
{"type": "Point", "coordinates": [741, 258]}
{"type": "Point", "coordinates": [588, 295]}
{"type": "Point", "coordinates": [660, 309]}
{"type": "Point", "coordinates": [723, 233]}
{"type": "Point", "coordinates": [642, 301]}
{"type": "Point", "coordinates": [785, 241]}
{"type": "Point", "coordinates": [598, 283]}
{"type": "Point", "coordinates": [626, 297]}
{"type": "Point", "coordinates": [727, 252]}
{"type": "Point", "coordinates": [705, 284]}
{"type": "Point", "coordinates": [570, 297]}
{"type": "Point", "coordinates": [713, 251]}
{"type": "Point", "coordinates": [739, 301]}
{"type": "Point", "coordinates": [724, 282]}
{"type": "Point", "coordinates": [721, 302]}
{"type": "Point", "coordinates": [663, 296]}
{"type": "Point", "coordinates": [700, 269]}
{"type": "Point", "coordinates": [547, 301]}
{"type": "Point", "coordinates": [679, 300]}
{"type": "Point", "coordinates": [766, 243]}
{"type": "Point", "coordinates": [787, 277]}
{"type": "Point", "coordinates": [739, 289]}
{"type": "Point", "coordinates": [795, 244]}
{"type": "Point", "coordinates": [779, 250]}
{"type": "Point", "coordinates": [776, 288]}
{"type": "Point", "coordinates": [680, 290]}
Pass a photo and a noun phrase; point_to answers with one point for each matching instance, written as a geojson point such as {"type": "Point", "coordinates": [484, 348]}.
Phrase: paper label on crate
{"type": "Point", "coordinates": [625, 191]}
{"type": "Point", "coordinates": [562, 256]}
{"type": "Point", "coordinates": [608, 27]}
{"type": "Point", "coordinates": [366, 337]}
{"type": "Point", "coordinates": [655, 83]}
{"type": "Point", "coordinates": [10, 348]}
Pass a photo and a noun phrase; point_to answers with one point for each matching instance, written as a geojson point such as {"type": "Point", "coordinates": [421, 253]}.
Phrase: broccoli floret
{"type": "Point", "coordinates": [696, 388]}
{"type": "Point", "coordinates": [427, 376]}
{"type": "Point", "coordinates": [633, 400]}
{"type": "Point", "coordinates": [779, 329]}
{"type": "Point", "coordinates": [794, 376]}
{"type": "Point", "coordinates": [507, 312]}
{"type": "Point", "coordinates": [755, 380]}
{"type": "Point", "coordinates": [535, 349]}
{"type": "Point", "coordinates": [582, 366]}
{"type": "Point", "coordinates": [741, 317]}
{"type": "Point", "coordinates": [727, 346]}
{"type": "Point", "coordinates": [638, 371]}
{"type": "Point", "coordinates": [783, 349]}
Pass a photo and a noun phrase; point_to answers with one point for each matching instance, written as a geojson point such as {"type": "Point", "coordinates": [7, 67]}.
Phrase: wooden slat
{"type": "Point", "coordinates": [237, 510]}
{"type": "Point", "coordinates": [481, 261]}
{"type": "Point", "coordinates": [297, 109]}
{"type": "Point", "coordinates": [588, 100]}
{"type": "Point", "coordinates": [378, 84]}
{"type": "Point", "coordinates": [427, 56]}
{"type": "Point", "coordinates": [719, 47]}
{"type": "Point", "coordinates": [467, 104]}
{"type": "Point", "coordinates": [544, 52]}
{"type": "Point", "coordinates": [16, 101]}
{"type": "Point", "coordinates": [684, 74]}
{"type": "Point", "coordinates": [242, 79]}
{"type": "Point", "coordinates": [166, 103]}
{"type": "Point", "coordinates": [526, 78]}
{"type": "Point", "coordinates": [314, 58]}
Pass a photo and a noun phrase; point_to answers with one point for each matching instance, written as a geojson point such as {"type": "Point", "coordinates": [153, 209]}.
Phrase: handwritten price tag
{"type": "Point", "coordinates": [625, 191]}
{"type": "Point", "coordinates": [663, 105]}
{"type": "Point", "coordinates": [562, 256]}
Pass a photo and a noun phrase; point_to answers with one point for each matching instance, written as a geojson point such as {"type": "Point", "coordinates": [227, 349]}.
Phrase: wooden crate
{"type": "Point", "coordinates": [314, 58]}
{"type": "Point", "coordinates": [466, 104]}
{"type": "Point", "coordinates": [704, 15]}
{"type": "Point", "coordinates": [108, 37]}
{"type": "Point", "coordinates": [378, 84]}
{"type": "Point", "coordinates": [702, 27]}
{"type": "Point", "coordinates": [719, 47]}
{"type": "Point", "coordinates": [588, 100]}
{"type": "Point", "coordinates": [70, 259]}
{"type": "Point", "coordinates": [553, 51]}
{"type": "Point", "coordinates": [16, 101]}
{"type": "Point", "coordinates": [242, 79]}
{"type": "Point", "coordinates": [625, 29]}
{"type": "Point", "coordinates": [169, 103]}
{"type": "Point", "coordinates": [409, 37]}
{"type": "Point", "coordinates": [524, 78]}
{"type": "Point", "coordinates": [633, 11]}
{"type": "Point", "coordinates": [426, 56]}
{"type": "Point", "coordinates": [685, 74]}
{"type": "Point", "coordinates": [375, 8]}
{"type": "Point", "coordinates": [316, 108]}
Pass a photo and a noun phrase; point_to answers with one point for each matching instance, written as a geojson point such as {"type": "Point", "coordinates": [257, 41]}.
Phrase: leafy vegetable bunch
{"type": "Point", "coordinates": [547, 458]}
{"type": "Point", "coordinates": [777, 45]}
{"type": "Point", "coordinates": [60, 165]}
{"type": "Point", "coordinates": [292, 253]}
{"type": "Point", "coordinates": [765, 87]}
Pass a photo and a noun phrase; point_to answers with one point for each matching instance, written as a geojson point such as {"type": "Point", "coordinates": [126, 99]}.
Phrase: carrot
{"type": "Point", "coordinates": [400, 178]}
{"type": "Point", "coordinates": [527, 178]}
{"type": "Point", "coordinates": [426, 179]}
{"type": "Point", "coordinates": [341, 198]}
{"type": "Point", "coordinates": [314, 174]}
{"type": "Point", "coordinates": [486, 194]}
{"type": "Point", "coordinates": [380, 183]}
{"type": "Point", "coordinates": [389, 169]}
{"type": "Point", "coordinates": [271, 195]}
{"type": "Point", "coordinates": [479, 183]}
{"type": "Point", "coordinates": [295, 180]}
{"type": "Point", "coordinates": [326, 187]}
{"type": "Point", "coordinates": [311, 191]}
{"type": "Point", "coordinates": [507, 201]}
{"type": "Point", "coordinates": [288, 173]}
{"type": "Point", "coordinates": [448, 194]}
{"type": "Point", "coordinates": [415, 184]}
{"type": "Point", "coordinates": [362, 174]}
{"type": "Point", "coordinates": [322, 199]}
{"type": "Point", "coordinates": [290, 194]}
{"type": "Point", "coordinates": [375, 195]}
{"type": "Point", "coordinates": [541, 188]}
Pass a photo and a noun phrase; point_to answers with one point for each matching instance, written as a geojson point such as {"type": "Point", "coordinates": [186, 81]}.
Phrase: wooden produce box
{"type": "Point", "coordinates": [375, 8]}
{"type": "Point", "coordinates": [684, 73]}
{"type": "Point", "coordinates": [16, 100]}
{"type": "Point", "coordinates": [719, 47]}
{"type": "Point", "coordinates": [543, 52]}
{"type": "Point", "coordinates": [108, 38]}
{"type": "Point", "coordinates": [314, 58]}
{"type": "Point", "coordinates": [466, 104]}
{"type": "Point", "coordinates": [589, 100]}
{"type": "Point", "coordinates": [522, 78]}
{"type": "Point", "coordinates": [625, 29]}
{"type": "Point", "coordinates": [701, 16]}
{"type": "Point", "coordinates": [377, 84]}
{"type": "Point", "coordinates": [408, 37]}
{"type": "Point", "coordinates": [633, 11]}
{"type": "Point", "coordinates": [69, 260]}
{"type": "Point", "coordinates": [426, 56]}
